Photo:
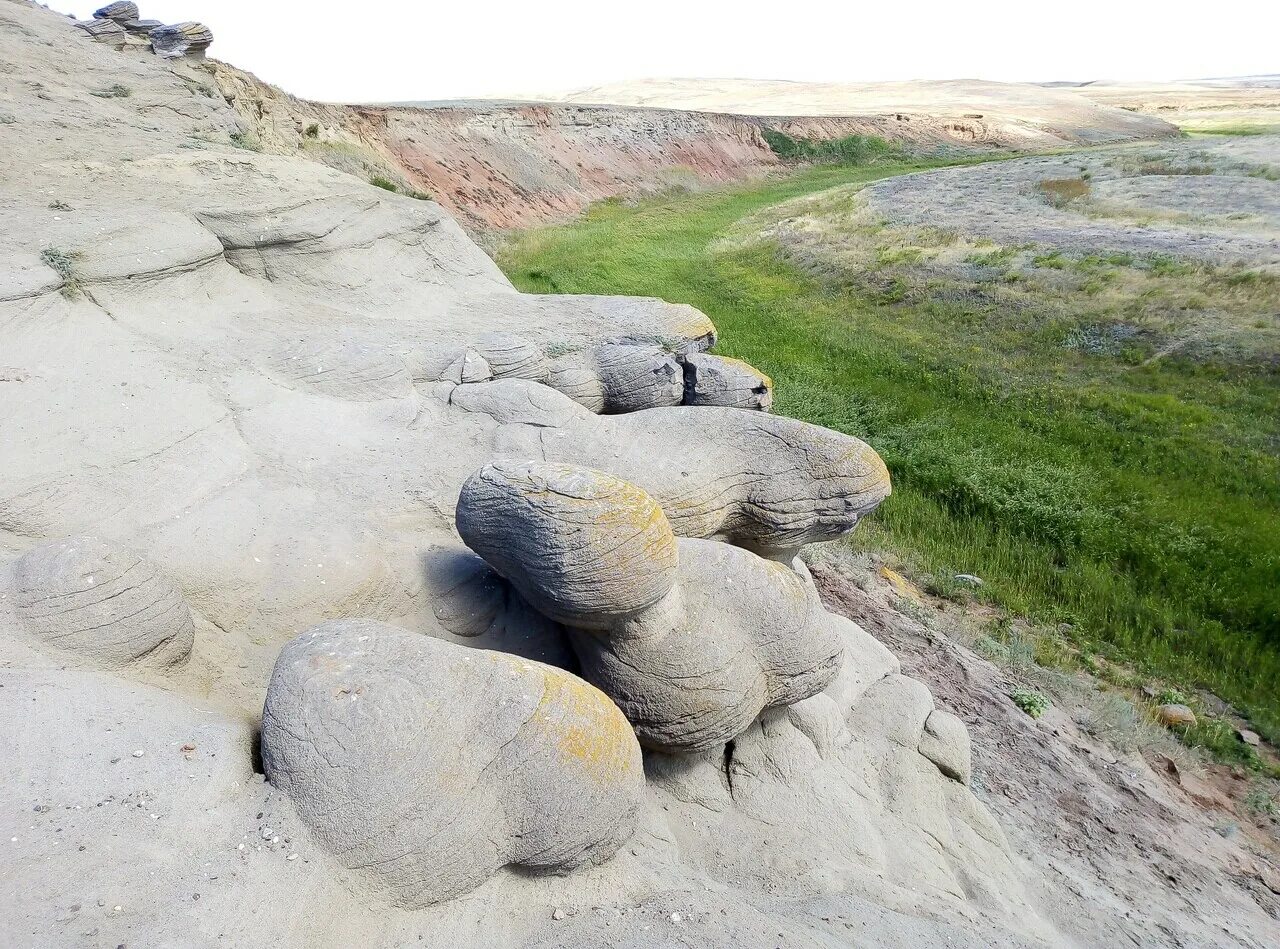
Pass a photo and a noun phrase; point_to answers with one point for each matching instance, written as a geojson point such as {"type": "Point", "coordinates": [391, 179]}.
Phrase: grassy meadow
{"type": "Point", "coordinates": [1122, 494]}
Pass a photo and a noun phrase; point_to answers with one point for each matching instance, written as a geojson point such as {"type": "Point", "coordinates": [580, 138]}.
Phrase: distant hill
{"type": "Point", "coordinates": [1028, 106]}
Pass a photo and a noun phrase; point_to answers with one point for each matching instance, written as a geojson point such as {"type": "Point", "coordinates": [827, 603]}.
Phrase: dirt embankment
{"type": "Point", "coordinates": [504, 165]}
{"type": "Point", "coordinates": [499, 165]}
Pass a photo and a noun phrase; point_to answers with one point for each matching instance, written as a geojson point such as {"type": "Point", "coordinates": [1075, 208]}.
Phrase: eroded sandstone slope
{"type": "Point", "coordinates": [260, 692]}
{"type": "Point", "coordinates": [514, 164]}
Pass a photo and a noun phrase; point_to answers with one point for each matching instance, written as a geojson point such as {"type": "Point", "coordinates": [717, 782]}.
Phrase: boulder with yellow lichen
{"type": "Point", "coordinates": [692, 638]}
{"type": "Point", "coordinates": [424, 767]}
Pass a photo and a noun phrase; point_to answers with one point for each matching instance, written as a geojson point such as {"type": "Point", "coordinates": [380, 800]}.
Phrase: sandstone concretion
{"type": "Point", "coordinates": [719, 380]}
{"type": "Point", "coordinates": [120, 12]}
{"type": "Point", "coordinates": [102, 603]}
{"type": "Point", "coordinates": [692, 639]}
{"type": "Point", "coordinates": [764, 482]}
{"type": "Point", "coordinates": [425, 767]}
{"type": "Point", "coordinates": [181, 39]}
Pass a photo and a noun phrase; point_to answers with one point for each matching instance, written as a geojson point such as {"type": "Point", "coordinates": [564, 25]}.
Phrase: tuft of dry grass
{"type": "Point", "coordinates": [1060, 192]}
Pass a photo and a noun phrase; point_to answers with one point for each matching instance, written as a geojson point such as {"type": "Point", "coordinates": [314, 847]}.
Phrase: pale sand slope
{"type": "Point", "coordinates": [1040, 113]}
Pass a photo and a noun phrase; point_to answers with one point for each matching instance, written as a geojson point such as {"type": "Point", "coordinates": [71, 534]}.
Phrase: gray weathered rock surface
{"type": "Point", "coordinates": [692, 640]}
{"type": "Point", "coordinates": [764, 482]}
{"type": "Point", "coordinates": [120, 12]}
{"type": "Point", "coordinates": [424, 767]}
{"type": "Point", "coordinates": [100, 602]}
{"type": "Point", "coordinates": [181, 39]}
{"type": "Point", "coordinates": [719, 380]}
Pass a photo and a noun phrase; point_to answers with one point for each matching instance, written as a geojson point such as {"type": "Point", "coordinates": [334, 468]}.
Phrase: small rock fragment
{"type": "Point", "coordinates": [557, 914]}
{"type": "Point", "coordinates": [120, 12]}
{"type": "Point", "coordinates": [1251, 738]}
{"type": "Point", "coordinates": [1174, 714]}
{"type": "Point", "coordinates": [968, 579]}
{"type": "Point", "coordinates": [181, 39]}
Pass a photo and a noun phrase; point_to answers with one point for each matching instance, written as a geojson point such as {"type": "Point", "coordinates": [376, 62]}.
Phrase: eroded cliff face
{"type": "Point", "coordinates": [504, 165]}
{"type": "Point", "coordinates": [498, 165]}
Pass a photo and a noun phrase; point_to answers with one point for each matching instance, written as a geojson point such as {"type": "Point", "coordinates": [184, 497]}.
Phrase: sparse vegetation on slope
{"type": "Point", "coordinates": [848, 150]}
{"type": "Point", "coordinates": [1092, 479]}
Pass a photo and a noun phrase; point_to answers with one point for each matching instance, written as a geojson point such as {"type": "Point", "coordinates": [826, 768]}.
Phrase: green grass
{"type": "Point", "coordinates": [113, 92]}
{"type": "Point", "coordinates": [1136, 500]}
{"type": "Point", "coordinates": [247, 141]}
{"type": "Point", "coordinates": [63, 263]}
{"type": "Point", "coordinates": [1259, 129]}
{"type": "Point", "coordinates": [850, 150]}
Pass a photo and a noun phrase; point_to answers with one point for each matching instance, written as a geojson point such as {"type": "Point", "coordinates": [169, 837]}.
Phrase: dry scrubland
{"type": "Point", "coordinates": [1249, 104]}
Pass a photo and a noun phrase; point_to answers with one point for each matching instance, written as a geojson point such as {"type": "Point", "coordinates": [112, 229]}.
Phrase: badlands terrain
{"type": "Point", "coordinates": [351, 596]}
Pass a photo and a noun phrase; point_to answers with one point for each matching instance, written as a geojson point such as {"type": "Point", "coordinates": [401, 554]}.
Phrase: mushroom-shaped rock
{"type": "Point", "coordinates": [692, 639]}
{"type": "Point", "coordinates": [103, 603]}
{"type": "Point", "coordinates": [945, 741]}
{"type": "Point", "coordinates": [424, 767]}
{"type": "Point", "coordinates": [720, 380]}
{"type": "Point", "coordinates": [120, 12]}
{"type": "Point", "coordinates": [181, 39]}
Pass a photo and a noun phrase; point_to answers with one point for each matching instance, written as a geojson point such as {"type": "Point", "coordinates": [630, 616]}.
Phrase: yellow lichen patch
{"type": "Point", "coordinates": [901, 584]}
{"type": "Point", "coordinates": [692, 324]}
{"type": "Point", "coordinates": [586, 728]}
{"type": "Point", "coordinates": [747, 367]}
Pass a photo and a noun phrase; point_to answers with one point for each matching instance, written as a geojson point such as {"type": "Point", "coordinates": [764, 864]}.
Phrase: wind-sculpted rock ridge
{"type": "Point", "coordinates": [261, 693]}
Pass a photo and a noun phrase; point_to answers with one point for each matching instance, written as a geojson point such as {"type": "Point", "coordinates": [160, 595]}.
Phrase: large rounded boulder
{"type": "Point", "coordinates": [103, 603]}
{"type": "Point", "coordinates": [425, 767]}
{"type": "Point", "coordinates": [692, 638]}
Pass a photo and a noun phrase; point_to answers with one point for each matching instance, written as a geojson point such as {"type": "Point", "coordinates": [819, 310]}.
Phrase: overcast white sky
{"type": "Point", "coordinates": [389, 50]}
